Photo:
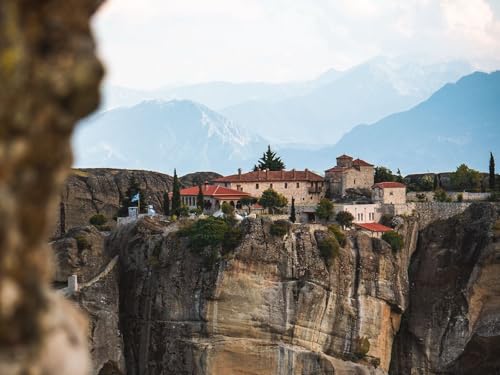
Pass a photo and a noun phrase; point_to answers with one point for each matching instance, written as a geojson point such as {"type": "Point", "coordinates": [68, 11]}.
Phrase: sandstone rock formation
{"type": "Point", "coordinates": [452, 325]}
{"type": "Point", "coordinates": [273, 307]}
{"type": "Point", "coordinates": [50, 78]}
{"type": "Point", "coordinates": [82, 252]}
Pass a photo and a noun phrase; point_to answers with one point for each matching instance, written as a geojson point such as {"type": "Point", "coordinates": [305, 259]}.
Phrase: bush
{"type": "Point", "coordinates": [227, 209]}
{"type": "Point", "coordinates": [394, 239]}
{"type": "Point", "coordinates": [98, 219]}
{"type": "Point", "coordinates": [344, 218]}
{"type": "Point", "coordinates": [324, 209]}
{"type": "Point", "coordinates": [328, 247]}
{"type": "Point", "coordinates": [279, 228]}
{"type": "Point", "coordinates": [362, 346]}
{"type": "Point", "coordinates": [441, 196]}
{"type": "Point", "coordinates": [421, 197]}
{"type": "Point", "coordinates": [338, 233]}
{"type": "Point", "coordinates": [460, 197]}
{"type": "Point", "coordinates": [494, 197]}
{"type": "Point", "coordinates": [82, 242]}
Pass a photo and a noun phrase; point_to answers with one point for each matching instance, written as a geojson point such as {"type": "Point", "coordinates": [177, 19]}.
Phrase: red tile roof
{"type": "Point", "coordinates": [373, 227]}
{"type": "Point", "coordinates": [385, 185]}
{"type": "Point", "coordinates": [361, 163]}
{"type": "Point", "coordinates": [257, 176]}
{"type": "Point", "coordinates": [215, 191]}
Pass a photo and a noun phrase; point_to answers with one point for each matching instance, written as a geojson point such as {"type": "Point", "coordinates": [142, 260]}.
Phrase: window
{"type": "Point", "coordinates": [354, 181]}
{"type": "Point", "coordinates": [225, 184]}
{"type": "Point", "coordinates": [257, 186]}
{"type": "Point", "coordinates": [286, 185]}
{"type": "Point", "coordinates": [298, 185]}
{"type": "Point", "coordinates": [391, 193]}
{"type": "Point", "coordinates": [270, 186]}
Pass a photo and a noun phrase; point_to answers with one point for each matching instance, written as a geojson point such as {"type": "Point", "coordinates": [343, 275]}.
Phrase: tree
{"type": "Point", "coordinates": [227, 209]}
{"type": "Point", "coordinates": [441, 196]}
{"type": "Point", "coordinates": [126, 201]}
{"type": "Point", "coordinates": [272, 200]}
{"type": "Point", "coordinates": [394, 239]}
{"type": "Point", "coordinates": [492, 172]}
{"type": "Point", "coordinates": [383, 174]}
{"type": "Point", "coordinates": [248, 201]}
{"type": "Point", "coordinates": [324, 209]}
{"type": "Point", "coordinates": [344, 218]}
{"type": "Point", "coordinates": [199, 198]}
{"type": "Point", "coordinates": [293, 217]}
{"type": "Point", "coordinates": [399, 178]}
{"type": "Point", "coordinates": [166, 204]}
{"type": "Point", "coordinates": [465, 178]}
{"type": "Point", "coordinates": [176, 196]}
{"type": "Point", "coordinates": [435, 184]}
{"type": "Point", "coordinates": [270, 161]}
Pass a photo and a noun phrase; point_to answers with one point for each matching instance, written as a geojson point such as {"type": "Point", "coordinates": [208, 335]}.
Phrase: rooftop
{"type": "Point", "coordinates": [373, 227]}
{"type": "Point", "coordinates": [214, 191]}
{"type": "Point", "coordinates": [391, 185]}
{"type": "Point", "coordinates": [257, 176]}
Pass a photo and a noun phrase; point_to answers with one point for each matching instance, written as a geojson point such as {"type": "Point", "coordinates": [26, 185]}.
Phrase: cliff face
{"type": "Point", "coordinates": [82, 252]}
{"type": "Point", "coordinates": [272, 307]}
{"type": "Point", "coordinates": [452, 325]}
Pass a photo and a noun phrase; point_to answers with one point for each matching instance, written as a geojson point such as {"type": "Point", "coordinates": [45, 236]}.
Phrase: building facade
{"type": "Point", "coordinates": [305, 186]}
{"type": "Point", "coordinates": [362, 213]}
{"type": "Point", "coordinates": [389, 193]}
{"type": "Point", "coordinates": [213, 197]}
{"type": "Point", "coordinates": [349, 174]}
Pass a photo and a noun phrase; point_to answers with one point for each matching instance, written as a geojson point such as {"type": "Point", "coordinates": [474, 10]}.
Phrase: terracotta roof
{"type": "Point", "coordinates": [385, 185]}
{"type": "Point", "coordinates": [361, 163]}
{"type": "Point", "coordinates": [215, 191]}
{"type": "Point", "coordinates": [337, 169]}
{"type": "Point", "coordinates": [257, 176]}
{"type": "Point", "coordinates": [373, 227]}
{"type": "Point", "coordinates": [344, 157]}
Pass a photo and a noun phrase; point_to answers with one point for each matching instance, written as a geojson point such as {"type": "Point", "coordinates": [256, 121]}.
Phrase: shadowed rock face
{"type": "Point", "coordinates": [452, 325]}
{"type": "Point", "coordinates": [273, 307]}
{"type": "Point", "coordinates": [50, 79]}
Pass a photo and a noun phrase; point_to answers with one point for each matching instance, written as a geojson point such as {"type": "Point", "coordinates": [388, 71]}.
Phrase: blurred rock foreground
{"type": "Point", "coordinates": [50, 77]}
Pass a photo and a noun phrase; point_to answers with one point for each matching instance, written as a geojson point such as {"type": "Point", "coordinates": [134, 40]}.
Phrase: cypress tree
{"type": "Point", "coordinates": [199, 198]}
{"type": "Point", "coordinates": [293, 218]}
{"type": "Point", "coordinates": [435, 184]}
{"type": "Point", "coordinates": [492, 172]}
{"type": "Point", "coordinates": [166, 204]}
{"type": "Point", "coordinates": [176, 196]}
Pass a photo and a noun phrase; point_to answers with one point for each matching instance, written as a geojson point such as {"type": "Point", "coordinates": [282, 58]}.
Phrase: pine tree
{"type": "Point", "coordinates": [399, 178]}
{"type": "Point", "coordinates": [492, 172]}
{"type": "Point", "coordinates": [166, 204]}
{"type": "Point", "coordinates": [133, 189]}
{"type": "Point", "coordinates": [293, 217]}
{"type": "Point", "coordinates": [199, 198]}
{"type": "Point", "coordinates": [270, 161]}
{"type": "Point", "coordinates": [176, 196]}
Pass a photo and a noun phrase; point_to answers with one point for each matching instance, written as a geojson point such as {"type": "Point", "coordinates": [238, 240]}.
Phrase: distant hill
{"type": "Point", "coordinates": [460, 123]}
{"type": "Point", "coordinates": [338, 102]}
{"type": "Point", "coordinates": [160, 136]}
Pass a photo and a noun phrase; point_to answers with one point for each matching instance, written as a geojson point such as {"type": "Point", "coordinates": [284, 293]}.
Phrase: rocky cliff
{"type": "Point", "coordinates": [272, 307]}
{"type": "Point", "coordinates": [99, 191]}
{"type": "Point", "coordinates": [452, 325]}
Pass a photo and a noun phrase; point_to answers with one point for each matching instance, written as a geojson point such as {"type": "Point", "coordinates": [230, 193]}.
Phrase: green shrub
{"type": "Point", "coordinates": [227, 209]}
{"type": "Point", "coordinates": [279, 228]}
{"type": "Point", "coordinates": [394, 239]}
{"type": "Point", "coordinates": [98, 219]}
{"type": "Point", "coordinates": [338, 233]}
{"type": "Point", "coordinates": [82, 242]}
{"type": "Point", "coordinates": [344, 218]}
{"type": "Point", "coordinates": [362, 346]}
{"type": "Point", "coordinates": [441, 196]}
{"type": "Point", "coordinates": [328, 247]}
{"type": "Point", "coordinates": [232, 239]}
{"type": "Point", "coordinates": [460, 197]}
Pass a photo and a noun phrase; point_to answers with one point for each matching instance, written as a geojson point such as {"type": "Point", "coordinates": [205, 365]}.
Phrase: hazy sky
{"type": "Point", "coordinates": [151, 43]}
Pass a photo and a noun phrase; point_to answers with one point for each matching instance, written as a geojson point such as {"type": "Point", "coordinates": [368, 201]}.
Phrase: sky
{"type": "Point", "coordinates": [154, 43]}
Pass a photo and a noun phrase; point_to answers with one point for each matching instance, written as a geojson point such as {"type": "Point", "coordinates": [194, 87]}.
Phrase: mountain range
{"type": "Point", "coordinates": [458, 123]}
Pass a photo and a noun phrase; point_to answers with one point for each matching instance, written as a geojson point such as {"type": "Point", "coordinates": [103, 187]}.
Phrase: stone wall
{"type": "Point", "coordinates": [339, 182]}
{"type": "Point", "coordinates": [429, 196]}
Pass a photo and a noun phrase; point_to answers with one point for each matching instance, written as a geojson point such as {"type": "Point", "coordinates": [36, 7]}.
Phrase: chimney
{"type": "Point", "coordinates": [293, 173]}
{"type": "Point", "coordinates": [239, 174]}
{"type": "Point", "coordinates": [205, 185]}
{"type": "Point", "coordinates": [307, 173]}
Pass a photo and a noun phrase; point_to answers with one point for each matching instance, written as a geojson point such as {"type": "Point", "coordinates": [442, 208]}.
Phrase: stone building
{"type": "Point", "coordinates": [349, 174]}
{"type": "Point", "coordinates": [305, 186]}
{"type": "Point", "coordinates": [389, 193]}
{"type": "Point", "coordinates": [213, 197]}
